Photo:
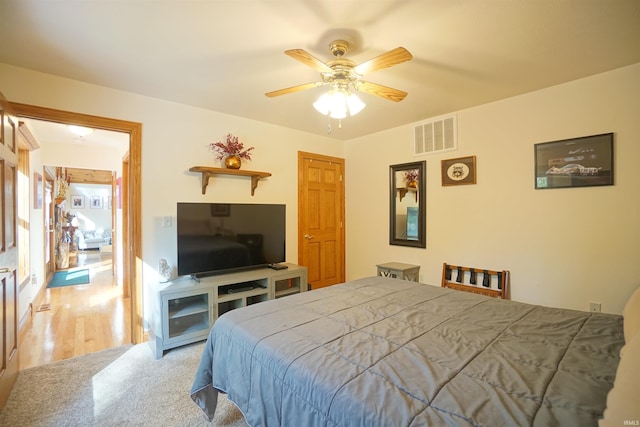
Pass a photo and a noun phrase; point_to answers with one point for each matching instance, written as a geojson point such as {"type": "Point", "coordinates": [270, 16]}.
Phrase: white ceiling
{"type": "Point", "coordinates": [50, 132]}
{"type": "Point", "coordinates": [224, 55]}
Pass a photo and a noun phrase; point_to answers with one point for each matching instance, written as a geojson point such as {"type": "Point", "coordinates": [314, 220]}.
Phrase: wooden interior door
{"type": "Point", "coordinates": [321, 236]}
{"type": "Point", "coordinates": [8, 251]}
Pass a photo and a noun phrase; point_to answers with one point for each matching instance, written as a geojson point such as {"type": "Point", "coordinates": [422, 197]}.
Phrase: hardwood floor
{"type": "Point", "coordinates": [79, 319]}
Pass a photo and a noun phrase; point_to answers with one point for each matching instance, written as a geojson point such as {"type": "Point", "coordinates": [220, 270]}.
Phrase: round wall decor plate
{"type": "Point", "coordinates": [459, 171]}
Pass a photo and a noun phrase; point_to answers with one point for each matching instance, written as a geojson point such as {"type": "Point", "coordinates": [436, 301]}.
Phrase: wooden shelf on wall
{"type": "Point", "coordinates": [403, 192]}
{"type": "Point", "coordinates": [208, 172]}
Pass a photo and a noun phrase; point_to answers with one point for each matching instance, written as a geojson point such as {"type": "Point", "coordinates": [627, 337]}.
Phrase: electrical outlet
{"type": "Point", "coordinates": [595, 307]}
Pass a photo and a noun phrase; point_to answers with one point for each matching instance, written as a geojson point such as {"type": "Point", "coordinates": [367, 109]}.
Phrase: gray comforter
{"type": "Point", "coordinates": [386, 352]}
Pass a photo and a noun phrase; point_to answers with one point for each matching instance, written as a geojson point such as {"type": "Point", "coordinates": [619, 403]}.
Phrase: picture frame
{"type": "Point", "coordinates": [77, 202]}
{"type": "Point", "coordinates": [96, 202]}
{"type": "Point", "coordinates": [37, 190]}
{"type": "Point", "coordinates": [576, 162]}
{"type": "Point", "coordinates": [220, 209]}
{"type": "Point", "coordinates": [458, 171]}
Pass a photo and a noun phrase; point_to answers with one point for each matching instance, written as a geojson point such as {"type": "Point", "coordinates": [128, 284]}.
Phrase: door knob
{"type": "Point", "coordinates": [308, 237]}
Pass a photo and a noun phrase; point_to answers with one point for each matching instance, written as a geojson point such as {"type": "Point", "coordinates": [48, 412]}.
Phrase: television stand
{"type": "Point", "coordinates": [185, 309]}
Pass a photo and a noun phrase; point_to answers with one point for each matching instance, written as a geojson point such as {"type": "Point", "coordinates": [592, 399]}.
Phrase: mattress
{"type": "Point", "coordinates": [380, 352]}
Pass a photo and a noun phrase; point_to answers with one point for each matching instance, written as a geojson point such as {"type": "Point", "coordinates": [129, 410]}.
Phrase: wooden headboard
{"type": "Point", "coordinates": [491, 283]}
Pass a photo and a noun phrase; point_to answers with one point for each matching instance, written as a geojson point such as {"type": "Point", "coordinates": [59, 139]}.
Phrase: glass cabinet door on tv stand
{"type": "Point", "coordinates": [187, 315]}
{"type": "Point", "coordinates": [182, 315]}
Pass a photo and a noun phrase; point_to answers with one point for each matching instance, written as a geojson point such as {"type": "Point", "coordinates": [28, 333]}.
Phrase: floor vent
{"type": "Point", "coordinates": [435, 136]}
{"type": "Point", "coordinates": [44, 307]}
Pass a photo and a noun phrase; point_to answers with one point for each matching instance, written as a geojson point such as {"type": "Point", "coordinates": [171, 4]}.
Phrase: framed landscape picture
{"type": "Point", "coordinates": [576, 162]}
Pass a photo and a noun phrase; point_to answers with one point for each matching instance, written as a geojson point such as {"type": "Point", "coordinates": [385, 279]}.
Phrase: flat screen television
{"type": "Point", "coordinates": [216, 238]}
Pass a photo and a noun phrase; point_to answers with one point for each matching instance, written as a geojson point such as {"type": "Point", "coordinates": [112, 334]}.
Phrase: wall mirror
{"type": "Point", "coordinates": [408, 204]}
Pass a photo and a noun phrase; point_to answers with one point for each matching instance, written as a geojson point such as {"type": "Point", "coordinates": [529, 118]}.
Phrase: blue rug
{"type": "Point", "coordinates": [68, 278]}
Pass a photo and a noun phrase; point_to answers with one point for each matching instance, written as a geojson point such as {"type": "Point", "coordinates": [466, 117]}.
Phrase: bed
{"type": "Point", "coordinates": [386, 352]}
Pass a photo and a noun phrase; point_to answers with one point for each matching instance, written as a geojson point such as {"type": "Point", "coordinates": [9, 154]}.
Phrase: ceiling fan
{"type": "Point", "coordinates": [341, 73]}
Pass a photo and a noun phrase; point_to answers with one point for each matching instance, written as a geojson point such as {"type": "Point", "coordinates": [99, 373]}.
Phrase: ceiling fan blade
{"type": "Point", "coordinates": [386, 60]}
{"type": "Point", "coordinates": [308, 59]}
{"type": "Point", "coordinates": [383, 91]}
{"type": "Point", "coordinates": [293, 89]}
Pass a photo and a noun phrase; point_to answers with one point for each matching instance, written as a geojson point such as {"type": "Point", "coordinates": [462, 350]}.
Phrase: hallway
{"type": "Point", "coordinates": [80, 319]}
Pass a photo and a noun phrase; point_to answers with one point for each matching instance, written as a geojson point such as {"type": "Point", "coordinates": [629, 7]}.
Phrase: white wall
{"type": "Point", "coordinates": [564, 247]}
{"type": "Point", "coordinates": [36, 233]}
{"type": "Point", "coordinates": [175, 137]}
{"type": "Point", "coordinates": [88, 217]}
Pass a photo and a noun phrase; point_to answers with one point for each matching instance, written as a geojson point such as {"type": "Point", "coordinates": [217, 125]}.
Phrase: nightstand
{"type": "Point", "coordinates": [399, 270]}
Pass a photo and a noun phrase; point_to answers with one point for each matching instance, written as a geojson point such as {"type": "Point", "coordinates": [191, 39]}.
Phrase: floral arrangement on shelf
{"type": "Point", "coordinates": [411, 175]}
{"type": "Point", "coordinates": [231, 146]}
{"type": "Point", "coordinates": [61, 193]}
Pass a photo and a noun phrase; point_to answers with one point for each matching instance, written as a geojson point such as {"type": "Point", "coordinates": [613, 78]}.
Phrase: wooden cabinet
{"type": "Point", "coordinates": [184, 310]}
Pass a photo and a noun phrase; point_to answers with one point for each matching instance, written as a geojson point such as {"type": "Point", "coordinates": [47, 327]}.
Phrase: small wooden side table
{"type": "Point", "coordinates": [399, 270]}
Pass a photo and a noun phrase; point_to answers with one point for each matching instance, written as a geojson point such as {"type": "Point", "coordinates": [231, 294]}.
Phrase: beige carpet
{"type": "Point", "coordinates": [123, 386]}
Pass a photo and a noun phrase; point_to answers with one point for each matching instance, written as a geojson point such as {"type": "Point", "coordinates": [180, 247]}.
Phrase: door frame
{"type": "Point", "coordinates": [48, 234]}
{"type": "Point", "coordinates": [132, 230]}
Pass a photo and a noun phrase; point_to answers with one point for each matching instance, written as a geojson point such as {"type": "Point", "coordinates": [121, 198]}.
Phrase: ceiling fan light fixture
{"type": "Point", "coordinates": [355, 104]}
{"type": "Point", "coordinates": [338, 104]}
{"type": "Point", "coordinates": [323, 104]}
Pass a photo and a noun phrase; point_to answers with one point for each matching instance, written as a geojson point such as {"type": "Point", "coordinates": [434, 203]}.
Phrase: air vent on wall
{"type": "Point", "coordinates": [435, 136]}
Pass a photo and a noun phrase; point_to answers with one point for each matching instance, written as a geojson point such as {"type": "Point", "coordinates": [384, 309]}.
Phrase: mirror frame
{"type": "Point", "coordinates": [421, 242]}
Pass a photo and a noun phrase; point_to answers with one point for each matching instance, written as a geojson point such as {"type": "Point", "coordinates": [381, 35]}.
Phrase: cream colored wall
{"type": "Point", "coordinates": [564, 247]}
{"type": "Point", "coordinates": [175, 137]}
{"type": "Point", "coordinates": [36, 252]}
